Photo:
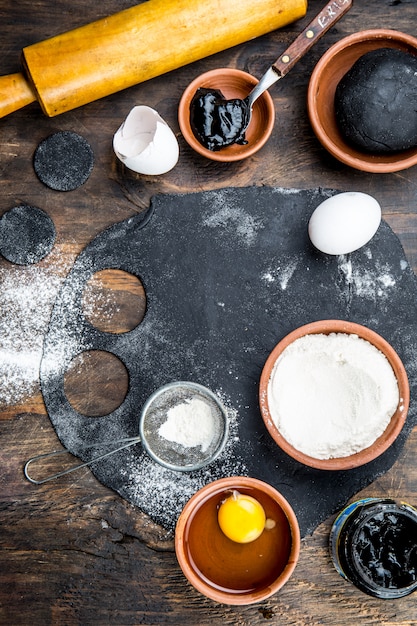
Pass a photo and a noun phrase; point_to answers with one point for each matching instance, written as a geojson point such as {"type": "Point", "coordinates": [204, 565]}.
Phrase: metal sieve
{"type": "Point", "coordinates": [168, 453]}
{"type": "Point", "coordinates": [173, 454]}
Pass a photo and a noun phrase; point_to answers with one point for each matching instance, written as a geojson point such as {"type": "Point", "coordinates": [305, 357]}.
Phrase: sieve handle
{"type": "Point", "coordinates": [41, 457]}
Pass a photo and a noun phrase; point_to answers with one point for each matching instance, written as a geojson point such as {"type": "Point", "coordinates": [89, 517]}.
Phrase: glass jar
{"type": "Point", "coordinates": [373, 544]}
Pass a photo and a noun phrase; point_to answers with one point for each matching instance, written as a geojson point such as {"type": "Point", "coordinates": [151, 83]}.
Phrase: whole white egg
{"type": "Point", "coordinates": [145, 143]}
{"type": "Point", "coordinates": [344, 223]}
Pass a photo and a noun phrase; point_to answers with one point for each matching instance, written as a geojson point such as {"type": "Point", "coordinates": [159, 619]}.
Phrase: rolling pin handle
{"type": "Point", "coordinates": [15, 93]}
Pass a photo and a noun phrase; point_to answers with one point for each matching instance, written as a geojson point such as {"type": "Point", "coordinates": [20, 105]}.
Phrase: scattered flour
{"type": "Point", "coordinates": [28, 294]}
{"type": "Point", "coordinates": [190, 424]}
{"type": "Point", "coordinates": [281, 274]}
{"type": "Point", "coordinates": [223, 213]}
{"type": "Point", "coordinates": [367, 283]}
{"type": "Point", "coordinates": [27, 297]}
{"type": "Point", "coordinates": [332, 395]}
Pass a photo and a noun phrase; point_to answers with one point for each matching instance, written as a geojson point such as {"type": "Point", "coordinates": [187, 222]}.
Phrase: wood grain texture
{"type": "Point", "coordinates": [72, 552]}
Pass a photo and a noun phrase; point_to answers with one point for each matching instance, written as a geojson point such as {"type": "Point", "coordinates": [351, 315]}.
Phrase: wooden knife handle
{"type": "Point", "coordinates": [15, 93]}
{"type": "Point", "coordinates": [331, 13]}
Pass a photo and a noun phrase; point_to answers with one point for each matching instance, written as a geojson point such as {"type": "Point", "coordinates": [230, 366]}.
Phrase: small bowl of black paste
{"type": "Point", "coordinates": [362, 99]}
{"type": "Point", "coordinates": [211, 114]}
{"type": "Point", "coordinates": [373, 544]}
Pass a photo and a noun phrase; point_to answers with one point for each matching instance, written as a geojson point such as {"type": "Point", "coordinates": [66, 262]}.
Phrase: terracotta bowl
{"type": "Point", "coordinates": [397, 420]}
{"type": "Point", "coordinates": [233, 84]}
{"type": "Point", "coordinates": [321, 91]}
{"type": "Point", "coordinates": [230, 572]}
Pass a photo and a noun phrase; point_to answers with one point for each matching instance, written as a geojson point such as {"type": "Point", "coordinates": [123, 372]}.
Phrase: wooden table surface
{"type": "Point", "coordinates": [72, 551]}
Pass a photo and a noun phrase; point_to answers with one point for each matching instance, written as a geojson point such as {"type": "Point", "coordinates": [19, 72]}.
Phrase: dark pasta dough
{"type": "Point", "coordinates": [376, 101]}
{"type": "Point", "coordinates": [63, 161]}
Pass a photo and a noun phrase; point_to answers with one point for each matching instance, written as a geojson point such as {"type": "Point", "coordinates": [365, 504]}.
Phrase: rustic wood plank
{"type": "Point", "coordinates": [72, 551]}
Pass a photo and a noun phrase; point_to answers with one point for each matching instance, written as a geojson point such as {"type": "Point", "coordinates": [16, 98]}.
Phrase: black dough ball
{"type": "Point", "coordinates": [376, 101]}
{"type": "Point", "coordinates": [63, 161]}
{"type": "Point", "coordinates": [27, 234]}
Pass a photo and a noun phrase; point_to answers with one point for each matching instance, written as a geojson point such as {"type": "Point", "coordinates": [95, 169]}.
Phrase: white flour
{"type": "Point", "coordinates": [227, 215]}
{"type": "Point", "coordinates": [282, 273]}
{"type": "Point", "coordinates": [370, 284]}
{"type": "Point", "coordinates": [27, 297]}
{"type": "Point", "coordinates": [332, 395]}
{"type": "Point", "coordinates": [28, 294]}
{"type": "Point", "coordinates": [190, 423]}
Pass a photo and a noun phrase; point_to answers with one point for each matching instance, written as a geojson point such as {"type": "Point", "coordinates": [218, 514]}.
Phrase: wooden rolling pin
{"type": "Point", "coordinates": [134, 45]}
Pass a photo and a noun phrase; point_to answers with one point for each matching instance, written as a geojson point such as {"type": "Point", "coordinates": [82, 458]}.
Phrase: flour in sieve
{"type": "Point", "coordinates": [190, 424]}
{"type": "Point", "coordinates": [332, 395]}
{"type": "Point", "coordinates": [162, 493]}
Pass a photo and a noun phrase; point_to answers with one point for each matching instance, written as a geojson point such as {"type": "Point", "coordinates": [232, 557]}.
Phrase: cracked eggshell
{"type": "Point", "coordinates": [145, 143]}
{"type": "Point", "coordinates": [344, 223]}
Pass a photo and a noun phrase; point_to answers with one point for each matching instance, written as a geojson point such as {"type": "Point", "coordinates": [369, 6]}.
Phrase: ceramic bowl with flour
{"type": "Point", "coordinates": [334, 395]}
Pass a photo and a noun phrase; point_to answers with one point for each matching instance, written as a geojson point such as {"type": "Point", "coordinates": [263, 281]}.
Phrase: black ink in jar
{"type": "Point", "coordinates": [373, 544]}
{"type": "Point", "coordinates": [217, 122]}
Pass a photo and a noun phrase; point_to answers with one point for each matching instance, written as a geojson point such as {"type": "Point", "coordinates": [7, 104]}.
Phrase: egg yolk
{"type": "Point", "coordinates": [241, 518]}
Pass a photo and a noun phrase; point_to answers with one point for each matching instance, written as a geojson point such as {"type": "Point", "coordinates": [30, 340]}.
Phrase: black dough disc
{"type": "Point", "coordinates": [227, 274]}
{"type": "Point", "coordinates": [376, 101]}
{"type": "Point", "coordinates": [27, 234]}
{"type": "Point", "coordinates": [63, 161]}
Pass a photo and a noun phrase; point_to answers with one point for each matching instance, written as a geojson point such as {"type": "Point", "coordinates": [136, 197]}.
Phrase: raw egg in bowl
{"type": "Point", "coordinates": [237, 540]}
{"type": "Point", "coordinates": [334, 394]}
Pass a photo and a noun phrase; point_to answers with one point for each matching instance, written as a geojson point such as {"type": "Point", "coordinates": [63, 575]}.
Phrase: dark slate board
{"type": "Point", "coordinates": [228, 273]}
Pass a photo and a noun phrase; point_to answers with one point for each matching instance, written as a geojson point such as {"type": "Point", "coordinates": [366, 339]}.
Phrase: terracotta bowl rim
{"type": "Point", "coordinates": [223, 484]}
{"type": "Point", "coordinates": [359, 160]}
{"type": "Point", "coordinates": [397, 420]}
{"type": "Point", "coordinates": [234, 152]}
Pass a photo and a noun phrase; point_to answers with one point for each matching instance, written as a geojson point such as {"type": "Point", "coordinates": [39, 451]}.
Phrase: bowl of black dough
{"type": "Point", "coordinates": [361, 100]}
{"type": "Point", "coordinates": [376, 101]}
